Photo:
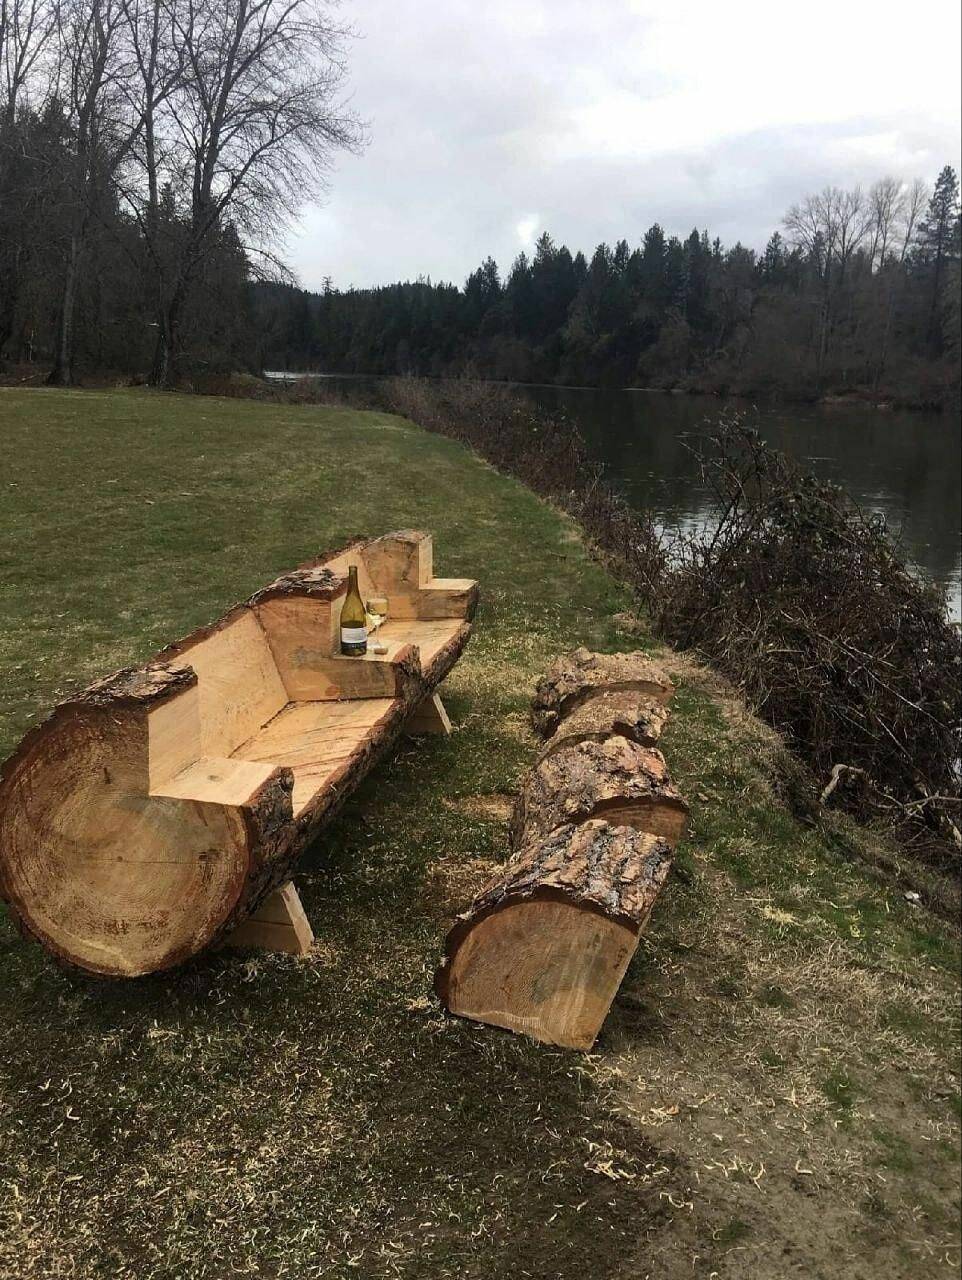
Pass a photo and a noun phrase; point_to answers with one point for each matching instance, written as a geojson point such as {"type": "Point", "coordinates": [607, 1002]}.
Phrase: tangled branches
{"type": "Point", "coordinates": [803, 600]}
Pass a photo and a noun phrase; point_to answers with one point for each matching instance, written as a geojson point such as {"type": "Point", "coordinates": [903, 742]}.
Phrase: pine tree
{"type": "Point", "coordinates": [938, 247]}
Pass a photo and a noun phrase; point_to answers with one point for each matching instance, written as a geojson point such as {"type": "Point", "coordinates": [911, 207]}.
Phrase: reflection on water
{"type": "Point", "coordinates": [904, 466]}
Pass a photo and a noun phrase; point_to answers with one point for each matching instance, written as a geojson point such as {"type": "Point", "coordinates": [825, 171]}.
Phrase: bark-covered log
{"type": "Point", "coordinates": [154, 811]}
{"type": "Point", "coordinates": [617, 780]}
{"type": "Point", "coordinates": [544, 946]}
{"type": "Point", "coordinates": [635, 716]}
{"type": "Point", "coordinates": [576, 676]}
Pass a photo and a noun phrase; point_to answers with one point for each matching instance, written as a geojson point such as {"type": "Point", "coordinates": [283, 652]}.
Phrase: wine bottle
{"type": "Point", "coordinates": [353, 618]}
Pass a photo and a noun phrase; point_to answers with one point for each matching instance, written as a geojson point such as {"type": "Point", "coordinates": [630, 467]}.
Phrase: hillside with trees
{"type": "Point", "coordinates": [858, 292]}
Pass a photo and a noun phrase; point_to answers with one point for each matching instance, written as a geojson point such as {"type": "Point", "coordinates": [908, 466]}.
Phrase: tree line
{"type": "Point", "coordinates": [152, 151]}
{"type": "Point", "coordinates": [858, 291]}
{"type": "Point", "coordinates": [149, 152]}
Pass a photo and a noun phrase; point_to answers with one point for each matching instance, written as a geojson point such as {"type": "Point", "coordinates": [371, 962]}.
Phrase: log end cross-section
{"type": "Point", "coordinates": [106, 875]}
{"type": "Point", "coordinates": [544, 946]}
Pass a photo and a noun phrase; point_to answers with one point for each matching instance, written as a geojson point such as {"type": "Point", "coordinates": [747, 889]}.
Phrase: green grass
{"type": "Point", "coordinates": [841, 1089]}
{"type": "Point", "coordinates": [266, 1117]}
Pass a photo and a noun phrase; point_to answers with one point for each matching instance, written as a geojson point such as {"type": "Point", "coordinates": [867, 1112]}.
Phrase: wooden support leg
{"type": "Point", "coordinates": [279, 924]}
{"type": "Point", "coordinates": [430, 717]}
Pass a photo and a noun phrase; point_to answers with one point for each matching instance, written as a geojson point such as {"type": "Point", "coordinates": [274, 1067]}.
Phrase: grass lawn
{"type": "Point", "coordinates": [774, 1093]}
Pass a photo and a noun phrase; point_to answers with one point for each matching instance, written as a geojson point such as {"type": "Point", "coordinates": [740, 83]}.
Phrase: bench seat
{"type": "Point", "coordinates": [316, 740]}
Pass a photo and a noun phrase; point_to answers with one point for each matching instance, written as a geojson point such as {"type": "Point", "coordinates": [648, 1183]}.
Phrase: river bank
{"type": "Point", "coordinates": [774, 1092]}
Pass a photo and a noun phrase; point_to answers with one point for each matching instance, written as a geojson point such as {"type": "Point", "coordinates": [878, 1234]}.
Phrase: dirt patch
{"type": "Point", "coordinates": [816, 1135]}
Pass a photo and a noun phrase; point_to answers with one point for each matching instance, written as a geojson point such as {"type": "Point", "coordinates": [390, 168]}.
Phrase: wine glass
{"type": "Point", "coordinates": [376, 615]}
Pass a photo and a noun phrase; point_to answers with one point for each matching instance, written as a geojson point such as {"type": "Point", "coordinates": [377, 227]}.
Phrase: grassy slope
{"type": "Point", "coordinates": [772, 1094]}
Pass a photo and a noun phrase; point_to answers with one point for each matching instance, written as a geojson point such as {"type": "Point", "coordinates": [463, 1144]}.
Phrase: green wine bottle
{"type": "Point", "coordinates": [353, 618]}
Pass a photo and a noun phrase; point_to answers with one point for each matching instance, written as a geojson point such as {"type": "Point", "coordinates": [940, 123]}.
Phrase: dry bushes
{"type": "Point", "coordinates": [805, 603]}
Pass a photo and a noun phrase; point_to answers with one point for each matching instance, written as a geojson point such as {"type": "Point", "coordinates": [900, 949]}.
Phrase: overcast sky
{"type": "Point", "coordinates": [493, 120]}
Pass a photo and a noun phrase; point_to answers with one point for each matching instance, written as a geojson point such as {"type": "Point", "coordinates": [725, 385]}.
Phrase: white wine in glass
{"type": "Point", "coordinates": [377, 614]}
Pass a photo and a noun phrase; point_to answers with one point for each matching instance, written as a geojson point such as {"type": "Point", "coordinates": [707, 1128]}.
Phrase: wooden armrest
{"type": "Point", "coordinates": [217, 781]}
{"type": "Point", "coordinates": [448, 598]}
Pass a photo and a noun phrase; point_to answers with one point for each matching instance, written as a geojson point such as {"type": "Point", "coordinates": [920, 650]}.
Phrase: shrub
{"type": "Point", "coordinates": [804, 601]}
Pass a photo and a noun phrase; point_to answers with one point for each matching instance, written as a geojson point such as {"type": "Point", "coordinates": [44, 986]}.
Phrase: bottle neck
{"type": "Point", "coordinates": [352, 578]}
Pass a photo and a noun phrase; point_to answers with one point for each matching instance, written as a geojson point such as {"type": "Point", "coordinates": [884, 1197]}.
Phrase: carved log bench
{"type": "Point", "coordinates": [150, 815]}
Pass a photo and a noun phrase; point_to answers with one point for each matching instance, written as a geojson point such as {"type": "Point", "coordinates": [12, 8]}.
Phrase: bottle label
{"type": "Point", "coordinates": [353, 639]}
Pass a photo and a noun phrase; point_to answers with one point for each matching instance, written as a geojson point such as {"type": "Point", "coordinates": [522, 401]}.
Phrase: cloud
{"type": "Point", "coordinates": [527, 229]}
{"type": "Point", "coordinates": [608, 117]}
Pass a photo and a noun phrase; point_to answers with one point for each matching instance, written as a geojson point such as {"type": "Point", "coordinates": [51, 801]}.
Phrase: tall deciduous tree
{"type": "Point", "coordinates": [27, 30]}
{"type": "Point", "coordinates": [97, 85]}
{"type": "Point", "coordinates": [246, 134]}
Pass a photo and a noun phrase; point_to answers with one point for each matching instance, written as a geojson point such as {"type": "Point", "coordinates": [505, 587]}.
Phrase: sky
{"type": "Point", "coordinates": [491, 121]}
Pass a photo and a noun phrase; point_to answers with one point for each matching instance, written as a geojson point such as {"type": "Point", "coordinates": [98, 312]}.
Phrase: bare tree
{"type": "Point", "coordinates": [27, 28]}
{"type": "Point", "coordinates": [886, 200]}
{"type": "Point", "coordinates": [95, 72]}
{"type": "Point", "coordinates": [830, 227]}
{"type": "Point", "coordinates": [905, 217]}
{"type": "Point", "coordinates": [247, 133]}
{"type": "Point", "coordinates": [916, 198]}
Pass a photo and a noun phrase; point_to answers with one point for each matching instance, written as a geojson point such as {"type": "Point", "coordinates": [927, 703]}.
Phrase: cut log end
{"type": "Point", "coordinates": [544, 946]}
{"type": "Point", "coordinates": [107, 877]}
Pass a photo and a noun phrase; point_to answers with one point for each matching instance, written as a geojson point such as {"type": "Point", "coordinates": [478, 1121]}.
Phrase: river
{"type": "Point", "coordinates": [903, 465]}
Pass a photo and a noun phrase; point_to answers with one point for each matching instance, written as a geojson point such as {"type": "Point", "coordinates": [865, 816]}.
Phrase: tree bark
{"type": "Point", "coordinates": [544, 946]}
{"type": "Point", "coordinates": [61, 375]}
{"type": "Point", "coordinates": [623, 713]}
{"type": "Point", "coordinates": [616, 779]}
{"type": "Point", "coordinates": [575, 676]}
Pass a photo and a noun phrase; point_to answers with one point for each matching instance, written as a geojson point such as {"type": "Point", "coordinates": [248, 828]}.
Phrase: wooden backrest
{"type": "Point", "coordinates": [238, 685]}
{"type": "Point", "coordinates": [398, 565]}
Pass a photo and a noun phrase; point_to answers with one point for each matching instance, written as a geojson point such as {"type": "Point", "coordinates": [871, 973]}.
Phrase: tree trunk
{"type": "Point", "coordinates": [61, 375]}
{"type": "Point", "coordinates": [603, 715]}
{"type": "Point", "coordinates": [164, 370]}
{"type": "Point", "coordinates": [543, 948]}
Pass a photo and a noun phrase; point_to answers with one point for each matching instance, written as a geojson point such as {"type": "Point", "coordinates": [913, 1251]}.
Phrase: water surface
{"type": "Point", "coordinates": [903, 465]}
